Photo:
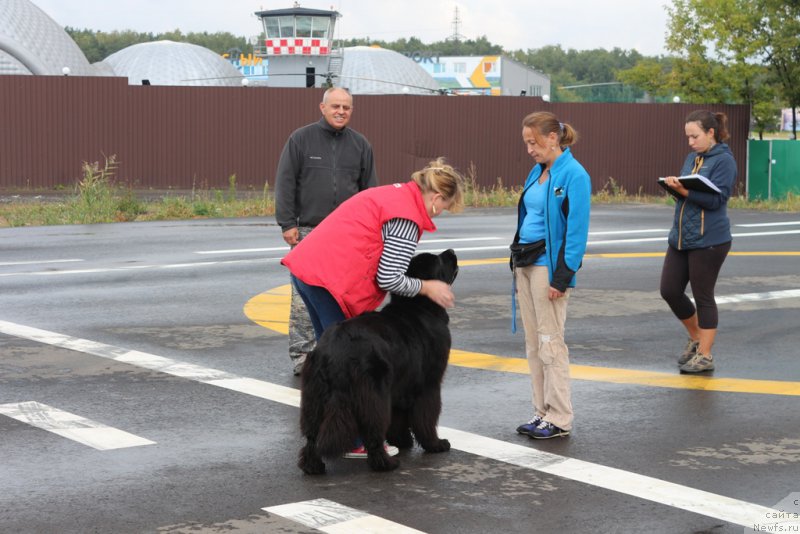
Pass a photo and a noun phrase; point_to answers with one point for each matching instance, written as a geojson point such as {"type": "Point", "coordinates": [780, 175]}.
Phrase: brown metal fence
{"type": "Point", "coordinates": [185, 137]}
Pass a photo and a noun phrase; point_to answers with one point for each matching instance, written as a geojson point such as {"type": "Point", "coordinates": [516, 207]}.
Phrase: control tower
{"type": "Point", "coordinates": [299, 46]}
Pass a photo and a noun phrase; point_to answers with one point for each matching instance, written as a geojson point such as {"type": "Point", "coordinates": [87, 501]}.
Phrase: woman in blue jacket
{"type": "Point", "coordinates": [554, 211]}
{"type": "Point", "coordinates": [700, 237]}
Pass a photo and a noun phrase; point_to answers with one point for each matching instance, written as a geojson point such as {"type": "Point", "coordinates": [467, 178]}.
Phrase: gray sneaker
{"type": "Point", "coordinates": [698, 364]}
{"type": "Point", "coordinates": [688, 352]}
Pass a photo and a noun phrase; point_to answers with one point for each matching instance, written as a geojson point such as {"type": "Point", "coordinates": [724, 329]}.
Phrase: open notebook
{"type": "Point", "coordinates": [691, 181]}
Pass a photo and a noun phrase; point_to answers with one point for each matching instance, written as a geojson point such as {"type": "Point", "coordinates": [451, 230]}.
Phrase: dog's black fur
{"type": "Point", "coordinates": [378, 376]}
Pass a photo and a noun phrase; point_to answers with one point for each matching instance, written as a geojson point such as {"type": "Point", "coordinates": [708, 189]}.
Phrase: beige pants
{"type": "Point", "coordinates": [548, 356]}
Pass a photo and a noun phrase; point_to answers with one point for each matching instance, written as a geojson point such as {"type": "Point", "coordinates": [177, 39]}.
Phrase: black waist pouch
{"type": "Point", "coordinates": [525, 254]}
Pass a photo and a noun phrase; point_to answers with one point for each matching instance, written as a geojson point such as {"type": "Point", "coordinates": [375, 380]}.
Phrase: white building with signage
{"type": "Point", "coordinates": [484, 75]}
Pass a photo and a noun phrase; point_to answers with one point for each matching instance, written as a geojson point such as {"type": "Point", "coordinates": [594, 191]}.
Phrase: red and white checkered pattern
{"type": "Point", "coordinates": [298, 47]}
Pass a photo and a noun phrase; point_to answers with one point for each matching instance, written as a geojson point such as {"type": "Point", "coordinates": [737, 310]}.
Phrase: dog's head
{"type": "Point", "coordinates": [426, 266]}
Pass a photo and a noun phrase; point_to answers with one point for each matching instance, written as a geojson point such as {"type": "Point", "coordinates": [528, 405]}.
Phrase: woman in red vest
{"type": "Point", "coordinates": [361, 251]}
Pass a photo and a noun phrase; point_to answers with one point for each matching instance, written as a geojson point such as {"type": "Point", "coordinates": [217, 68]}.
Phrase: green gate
{"type": "Point", "coordinates": [773, 169]}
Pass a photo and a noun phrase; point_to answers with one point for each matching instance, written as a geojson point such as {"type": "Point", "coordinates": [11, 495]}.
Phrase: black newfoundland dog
{"type": "Point", "coordinates": [378, 376]}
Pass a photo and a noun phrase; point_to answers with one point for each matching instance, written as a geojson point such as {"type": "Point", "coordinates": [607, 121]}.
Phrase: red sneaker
{"type": "Point", "coordinates": [361, 452]}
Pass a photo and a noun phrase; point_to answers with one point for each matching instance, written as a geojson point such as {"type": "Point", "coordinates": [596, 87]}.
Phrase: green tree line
{"type": "Point", "coordinates": [98, 45]}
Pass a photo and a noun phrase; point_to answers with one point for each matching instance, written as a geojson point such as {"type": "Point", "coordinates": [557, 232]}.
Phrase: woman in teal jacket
{"type": "Point", "coordinates": [553, 209]}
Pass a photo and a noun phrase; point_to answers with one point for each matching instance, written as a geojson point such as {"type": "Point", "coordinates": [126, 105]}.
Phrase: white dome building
{"type": "Point", "coordinates": [33, 43]}
{"type": "Point", "coordinates": [171, 63]}
{"type": "Point", "coordinates": [370, 70]}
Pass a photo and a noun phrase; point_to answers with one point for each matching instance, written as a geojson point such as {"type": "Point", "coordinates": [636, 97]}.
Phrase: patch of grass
{"type": "Point", "coordinates": [476, 196]}
{"type": "Point", "coordinates": [34, 214]}
{"type": "Point", "coordinates": [790, 203]}
{"type": "Point", "coordinates": [171, 208]}
{"type": "Point", "coordinates": [94, 196]}
{"type": "Point", "coordinates": [613, 193]}
{"type": "Point", "coordinates": [97, 199]}
{"type": "Point", "coordinates": [128, 206]}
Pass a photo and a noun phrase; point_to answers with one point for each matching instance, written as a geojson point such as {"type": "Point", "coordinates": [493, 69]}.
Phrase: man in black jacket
{"type": "Point", "coordinates": [322, 165]}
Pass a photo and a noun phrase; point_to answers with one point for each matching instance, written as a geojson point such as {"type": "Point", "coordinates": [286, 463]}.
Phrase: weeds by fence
{"type": "Point", "coordinates": [99, 199]}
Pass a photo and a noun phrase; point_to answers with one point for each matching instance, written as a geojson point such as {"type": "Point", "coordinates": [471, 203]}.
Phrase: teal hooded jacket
{"type": "Point", "coordinates": [569, 192]}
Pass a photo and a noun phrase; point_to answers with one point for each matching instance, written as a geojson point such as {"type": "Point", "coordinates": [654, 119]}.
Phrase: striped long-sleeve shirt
{"type": "Point", "coordinates": [399, 244]}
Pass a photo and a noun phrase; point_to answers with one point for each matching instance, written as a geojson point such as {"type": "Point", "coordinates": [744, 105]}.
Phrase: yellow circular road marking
{"type": "Point", "coordinates": [271, 310]}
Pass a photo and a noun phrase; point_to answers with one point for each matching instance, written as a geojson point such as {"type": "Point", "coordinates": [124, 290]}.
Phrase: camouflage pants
{"type": "Point", "coordinates": [301, 332]}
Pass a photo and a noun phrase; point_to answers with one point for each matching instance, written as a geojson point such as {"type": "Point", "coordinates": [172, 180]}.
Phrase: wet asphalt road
{"type": "Point", "coordinates": [217, 457]}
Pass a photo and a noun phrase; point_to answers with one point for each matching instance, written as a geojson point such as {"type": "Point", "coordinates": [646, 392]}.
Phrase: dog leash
{"type": "Point", "coordinates": [513, 302]}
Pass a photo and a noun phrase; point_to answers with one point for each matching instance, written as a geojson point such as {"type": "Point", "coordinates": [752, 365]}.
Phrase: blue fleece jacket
{"type": "Point", "coordinates": [569, 191]}
{"type": "Point", "coordinates": [701, 219]}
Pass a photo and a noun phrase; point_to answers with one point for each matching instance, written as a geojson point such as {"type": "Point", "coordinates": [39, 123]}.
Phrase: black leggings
{"type": "Point", "coordinates": [700, 268]}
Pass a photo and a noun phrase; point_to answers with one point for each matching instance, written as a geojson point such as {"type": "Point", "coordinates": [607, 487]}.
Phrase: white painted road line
{"type": "Point", "coordinates": [758, 297]}
{"type": "Point", "coordinates": [285, 248]}
{"type": "Point", "coordinates": [643, 487]}
{"type": "Point", "coordinates": [626, 232]}
{"type": "Point", "coordinates": [471, 239]}
{"type": "Point", "coordinates": [505, 246]}
{"type": "Point", "coordinates": [143, 267]}
{"type": "Point", "coordinates": [454, 239]}
{"type": "Point", "coordinates": [653, 239]}
{"type": "Point", "coordinates": [243, 250]}
{"type": "Point", "coordinates": [71, 426]}
{"type": "Point", "coordinates": [628, 241]}
{"type": "Point", "coordinates": [589, 243]}
{"type": "Point", "coordinates": [755, 225]}
{"type": "Point", "coordinates": [332, 517]}
{"type": "Point", "coordinates": [425, 246]}
{"type": "Point", "coordinates": [32, 262]}
{"type": "Point", "coordinates": [205, 375]}
{"type": "Point", "coordinates": [651, 489]}
{"type": "Point", "coordinates": [758, 234]}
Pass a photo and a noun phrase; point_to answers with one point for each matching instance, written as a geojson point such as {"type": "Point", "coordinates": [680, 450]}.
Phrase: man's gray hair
{"type": "Point", "coordinates": [329, 90]}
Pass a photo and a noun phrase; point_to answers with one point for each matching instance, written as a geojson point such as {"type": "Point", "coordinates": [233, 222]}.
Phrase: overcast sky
{"type": "Point", "coordinates": [514, 24]}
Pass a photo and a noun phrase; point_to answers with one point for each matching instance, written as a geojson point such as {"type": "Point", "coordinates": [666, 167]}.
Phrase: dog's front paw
{"type": "Point", "coordinates": [382, 462]}
{"type": "Point", "coordinates": [311, 464]}
{"type": "Point", "coordinates": [441, 445]}
{"type": "Point", "coordinates": [317, 468]}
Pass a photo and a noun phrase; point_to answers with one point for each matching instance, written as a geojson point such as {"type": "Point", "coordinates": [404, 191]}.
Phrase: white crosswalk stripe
{"type": "Point", "coordinates": [335, 518]}
{"type": "Point", "coordinates": [71, 426]}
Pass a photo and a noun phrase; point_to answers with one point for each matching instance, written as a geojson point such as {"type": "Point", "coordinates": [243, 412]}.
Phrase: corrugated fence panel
{"type": "Point", "coordinates": [185, 137]}
{"type": "Point", "coordinates": [407, 131]}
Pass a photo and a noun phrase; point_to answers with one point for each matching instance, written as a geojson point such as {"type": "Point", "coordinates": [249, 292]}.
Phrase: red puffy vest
{"type": "Point", "coordinates": [343, 252]}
